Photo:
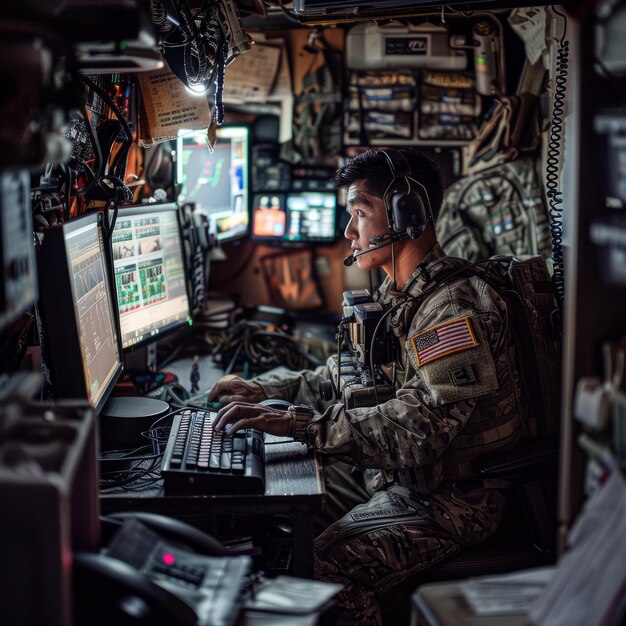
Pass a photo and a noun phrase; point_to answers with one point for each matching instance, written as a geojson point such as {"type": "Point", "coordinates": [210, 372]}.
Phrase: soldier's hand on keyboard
{"type": "Point", "coordinates": [242, 415]}
{"type": "Point", "coordinates": [233, 388]}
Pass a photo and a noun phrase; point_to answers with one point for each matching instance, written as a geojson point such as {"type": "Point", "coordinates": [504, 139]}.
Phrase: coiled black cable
{"type": "Point", "coordinates": [555, 195]}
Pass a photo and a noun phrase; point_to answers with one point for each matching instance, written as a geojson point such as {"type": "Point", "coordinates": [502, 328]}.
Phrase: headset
{"type": "Point", "coordinates": [406, 200]}
{"type": "Point", "coordinates": [406, 203]}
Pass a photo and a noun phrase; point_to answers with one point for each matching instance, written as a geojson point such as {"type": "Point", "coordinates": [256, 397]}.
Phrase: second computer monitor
{"type": "Point", "coordinates": [298, 217]}
{"type": "Point", "coordinates": [218, 181]}
{"type": "Point", "coordinates": [150, 275]}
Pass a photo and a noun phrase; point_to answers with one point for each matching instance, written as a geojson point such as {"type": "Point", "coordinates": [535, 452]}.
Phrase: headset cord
{"type": "Point", "coordinates": [340, 340]}
{"type": "Point", "coordinates": [385, 315]}
{"type": "Point", "coordinates": [405, 300]}
{"type": "Point", "coordinates": [555, 195]}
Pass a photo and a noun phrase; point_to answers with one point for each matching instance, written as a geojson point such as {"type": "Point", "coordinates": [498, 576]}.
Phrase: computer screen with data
{"type": "Point", "coordinates": [150, 274]}
{"type": "Point", "coordinates": [79, 311]}
{"type": "Point", "coordinates": [218, 181]}
{"type": "Point", "coordinates": [302, 216]}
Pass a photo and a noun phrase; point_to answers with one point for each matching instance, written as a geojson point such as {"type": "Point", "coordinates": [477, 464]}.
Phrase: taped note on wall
{"type": "Point", "coordinates": [167, 106]}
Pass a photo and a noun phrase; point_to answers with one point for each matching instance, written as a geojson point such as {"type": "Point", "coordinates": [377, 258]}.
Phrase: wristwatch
{"type": "Point", "coordinates": [301, 415]}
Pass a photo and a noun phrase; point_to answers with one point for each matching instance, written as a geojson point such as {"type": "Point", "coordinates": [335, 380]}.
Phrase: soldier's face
{"type": "Point", "coordinates": [367, 219]}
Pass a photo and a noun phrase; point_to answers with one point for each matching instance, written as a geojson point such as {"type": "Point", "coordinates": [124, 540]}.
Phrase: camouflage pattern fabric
{"type": "Point", "coordinates": [297, 387]}
{"type": "Point", "coordinates": [395, 535]}
{"type": "Point", "coordinates": [345, 489]}
{"type": "Point", "coordinates": [500, 210]}
{"type": "Point", "coordinates": [457, 398]}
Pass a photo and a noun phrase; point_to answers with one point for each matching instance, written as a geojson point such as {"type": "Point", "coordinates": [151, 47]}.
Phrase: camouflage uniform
{"type": "Point", "coordinates": [457, 398]}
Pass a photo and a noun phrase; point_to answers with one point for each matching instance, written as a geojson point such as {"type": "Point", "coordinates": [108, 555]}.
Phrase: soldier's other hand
{"type": "Point", "coordinates": [242, 415]}
{"type": "Point", "coordinates": [233, 388]}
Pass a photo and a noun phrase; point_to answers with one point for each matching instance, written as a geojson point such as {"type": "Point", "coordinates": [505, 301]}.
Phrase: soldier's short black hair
{"type": "Point", "coordinates": [372, 167]}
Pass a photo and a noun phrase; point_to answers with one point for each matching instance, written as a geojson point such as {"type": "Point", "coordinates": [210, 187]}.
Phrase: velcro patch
{"type": "Point", "coordinates": [443, 339]}
{"type": "Point", "coordinates": [388, 512]}
{"type": "Point", "coordinates": [463, 375]}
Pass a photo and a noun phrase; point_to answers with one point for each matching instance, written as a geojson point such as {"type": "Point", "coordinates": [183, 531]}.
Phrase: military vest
{"type": "Point", "coordinates": [496, 420]}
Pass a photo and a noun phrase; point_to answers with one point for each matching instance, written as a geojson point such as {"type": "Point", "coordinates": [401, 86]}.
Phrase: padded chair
{"type": "Point", "coordinates": [526, 537]}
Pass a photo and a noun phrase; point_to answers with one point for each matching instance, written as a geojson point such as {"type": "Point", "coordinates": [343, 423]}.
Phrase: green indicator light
{"type": "Point", "coordinates": [190, 322]}
{"type": "Point", "coordinates": [122, 45]}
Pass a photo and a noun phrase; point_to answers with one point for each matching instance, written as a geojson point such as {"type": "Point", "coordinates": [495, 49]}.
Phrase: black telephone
{"type": "Point", "coordinates": [157, 571]}
{"type": "Point", "coordinates": [109, 591]}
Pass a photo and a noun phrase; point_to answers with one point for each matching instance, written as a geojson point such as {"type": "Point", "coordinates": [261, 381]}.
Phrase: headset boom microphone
{"type": "Point", "coordinates": [387, 239]}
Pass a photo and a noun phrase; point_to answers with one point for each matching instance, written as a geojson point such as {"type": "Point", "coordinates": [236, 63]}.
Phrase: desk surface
{"type": "Point", "coordinates": [290, 480]}
{"type": "Point", "coordinates": [293, 485]}
{"type": "Point", "coordinates": [443, 604]}
{"type": "Point", "coordinates": [209, 372]}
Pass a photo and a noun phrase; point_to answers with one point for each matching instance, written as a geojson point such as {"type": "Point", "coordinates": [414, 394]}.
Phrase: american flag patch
{"type": "Point", "coordinates": [443, 339]}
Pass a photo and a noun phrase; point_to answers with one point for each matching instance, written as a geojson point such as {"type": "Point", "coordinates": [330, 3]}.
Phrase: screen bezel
{"type": "Point", "coordinates": [142, 210]}
{"type": "Point", "coordinates": [284, 241]}
{"type": "Point", "coordinates": [185, 133]}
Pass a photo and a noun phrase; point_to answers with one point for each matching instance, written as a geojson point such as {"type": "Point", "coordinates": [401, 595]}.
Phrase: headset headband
{"type": "Point", "coordinates": [406, 200]}
{"type": "Point", "coordinates": [398, 165]}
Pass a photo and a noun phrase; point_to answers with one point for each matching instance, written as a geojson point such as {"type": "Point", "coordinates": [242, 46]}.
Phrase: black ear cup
{"type": "Point", "coordinates": [408, 207]}
{"type": "Point", "coordinates": [408, 212]}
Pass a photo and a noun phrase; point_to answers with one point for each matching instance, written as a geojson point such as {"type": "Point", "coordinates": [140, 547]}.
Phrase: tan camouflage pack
{"type": "Point", "coordinates": [500, 210]}
{"type": "Point", "coordinates": [498, 206]}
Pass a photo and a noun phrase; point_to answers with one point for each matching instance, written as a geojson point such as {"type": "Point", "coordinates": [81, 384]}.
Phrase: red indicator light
{"type": "Point", "coordinates": [168, 558]}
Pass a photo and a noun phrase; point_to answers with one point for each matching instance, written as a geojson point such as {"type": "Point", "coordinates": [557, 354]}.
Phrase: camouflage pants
{"type": "Point", "coordinates": [380, 543]}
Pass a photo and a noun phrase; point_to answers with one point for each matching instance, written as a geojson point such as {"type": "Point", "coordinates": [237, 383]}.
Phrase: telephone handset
{"type": "Point", "coordinates": [108, 591]}
{"type": "Point", "coordinates": [171, 529]}
{"type": "Point", "coordinates": [157, 571]}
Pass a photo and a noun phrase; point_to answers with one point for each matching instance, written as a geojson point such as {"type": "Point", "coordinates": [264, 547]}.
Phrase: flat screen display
{"type": "Point", "coordinates": [217, 182]}
{"type": "Point", "coordinates": [296, 217]}
{"type": "Point", "coordinates": [94, 308]}
{"type": "Point", "coordinates": [150, 274]}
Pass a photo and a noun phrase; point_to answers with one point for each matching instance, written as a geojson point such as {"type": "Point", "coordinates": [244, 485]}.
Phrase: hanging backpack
{"type": "Point", "coordinates": [500, 210]}
{"type": "Point", "coordinates": [498, 207]}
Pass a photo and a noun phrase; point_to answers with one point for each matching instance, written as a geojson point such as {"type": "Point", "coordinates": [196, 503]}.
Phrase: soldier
{"type": "Point", "coordinates": [457, 397]}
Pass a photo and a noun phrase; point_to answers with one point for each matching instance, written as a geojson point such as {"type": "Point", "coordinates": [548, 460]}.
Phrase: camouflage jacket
{"type": "Point", "coordinates": [457, 395]}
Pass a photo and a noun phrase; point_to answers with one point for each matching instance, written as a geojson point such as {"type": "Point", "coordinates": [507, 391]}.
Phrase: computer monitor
{"type": "Point", "coordinates": [80, 338]}
{"type": "Point", "coordinates": [298, 217]}
{"type": "Point", "coordinates": [150, 274]}
{"type": "Point", "coordinates": [218, 181]}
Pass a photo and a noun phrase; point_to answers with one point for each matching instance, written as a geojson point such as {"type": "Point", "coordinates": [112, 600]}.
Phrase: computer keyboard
{"type": "Point", "coordinates": [199, 460]}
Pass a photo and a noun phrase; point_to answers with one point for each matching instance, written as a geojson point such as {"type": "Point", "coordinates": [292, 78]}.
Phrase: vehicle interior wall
{"type": "Point", "coordinates": [241, 275]}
